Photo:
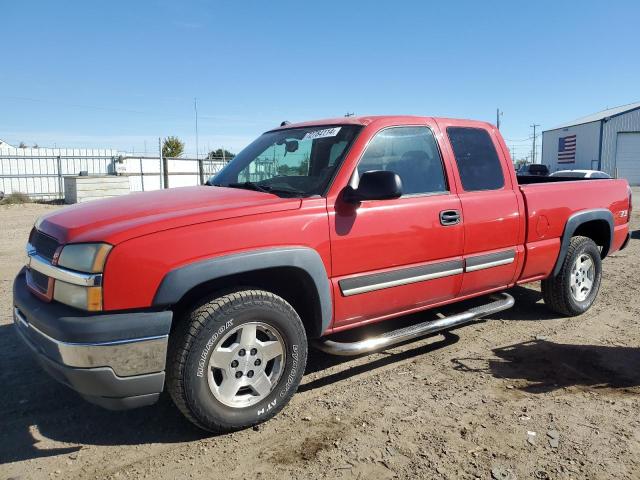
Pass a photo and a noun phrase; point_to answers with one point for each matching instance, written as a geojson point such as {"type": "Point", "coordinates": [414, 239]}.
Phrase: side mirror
{"type": "Point", "coordinates": [375, 185]}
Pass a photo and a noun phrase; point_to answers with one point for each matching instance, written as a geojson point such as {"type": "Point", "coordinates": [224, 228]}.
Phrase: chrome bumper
{"type": "Point", "coordinates": [115, 360]}
{"type": "Point", "coordinates": [134, 356]}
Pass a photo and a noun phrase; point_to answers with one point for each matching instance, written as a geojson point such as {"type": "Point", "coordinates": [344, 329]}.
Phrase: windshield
{"type": "Point", "coordinates": [289, 162]}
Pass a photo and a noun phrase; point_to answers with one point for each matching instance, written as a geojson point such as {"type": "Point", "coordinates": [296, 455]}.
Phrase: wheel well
{"type": "Point", "coordinates": [291, 283]}
{"type": "Point", "coordinates": [598, 231]}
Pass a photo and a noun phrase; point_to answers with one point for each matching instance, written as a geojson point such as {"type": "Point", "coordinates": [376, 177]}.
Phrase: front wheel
{"type": "Point", "coordinates": [575, 288]}
{"type": "Point", "coordinates": [236, 360]}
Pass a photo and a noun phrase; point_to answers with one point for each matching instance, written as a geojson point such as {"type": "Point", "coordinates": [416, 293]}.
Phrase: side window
{"type": "Point", "coordinates": [412, 153]}
{"type": "Point", "coordinates": [477, 159]}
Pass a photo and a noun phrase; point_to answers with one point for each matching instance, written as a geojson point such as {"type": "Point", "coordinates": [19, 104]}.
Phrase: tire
{"type": "Point", "coordinates": [213, 344]}
{"type": "Point", "coordinates": [567, 293]}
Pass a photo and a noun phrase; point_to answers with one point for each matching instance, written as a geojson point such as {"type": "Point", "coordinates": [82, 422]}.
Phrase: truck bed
{"type": "Point", "coordinates": [550, 204]}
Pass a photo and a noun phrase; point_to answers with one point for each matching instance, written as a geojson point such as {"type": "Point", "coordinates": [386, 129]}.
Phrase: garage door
{"type": "Point", "coordinates": [628, 157]}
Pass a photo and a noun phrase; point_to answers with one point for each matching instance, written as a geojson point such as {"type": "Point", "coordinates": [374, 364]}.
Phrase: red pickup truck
{"type": "Point", "coordinates": [313, 229]}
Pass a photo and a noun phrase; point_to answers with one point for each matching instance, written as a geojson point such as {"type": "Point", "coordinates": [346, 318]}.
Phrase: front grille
{"type": "Point", "coordinates": [44, 245]}
{"type": "Point", "coordinates": [40, 285]}
{"type": "Point", "coordinates": [38, 280]}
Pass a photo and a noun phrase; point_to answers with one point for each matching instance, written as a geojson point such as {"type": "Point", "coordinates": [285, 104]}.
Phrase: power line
{"type": "Point", "coordinates": [155, 114]}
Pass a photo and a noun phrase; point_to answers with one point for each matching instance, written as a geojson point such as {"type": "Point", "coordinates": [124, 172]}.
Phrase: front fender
{"type": "Point", "coordinates": [179, 281]}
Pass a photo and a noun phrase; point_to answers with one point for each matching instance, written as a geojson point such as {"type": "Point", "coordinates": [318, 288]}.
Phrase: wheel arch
{"type": "Point", "coordinates": [596, 224]}
{"type": "Point", "coordinates": [296, 274]}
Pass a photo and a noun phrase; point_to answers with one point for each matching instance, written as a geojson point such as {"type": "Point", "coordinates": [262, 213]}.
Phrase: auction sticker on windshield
{"type": "Point", "coordinates": [325, 132]}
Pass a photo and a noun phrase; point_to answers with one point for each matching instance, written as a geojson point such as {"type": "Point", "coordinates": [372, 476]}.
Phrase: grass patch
{"type": "Point", "coordinates": [15, 198]}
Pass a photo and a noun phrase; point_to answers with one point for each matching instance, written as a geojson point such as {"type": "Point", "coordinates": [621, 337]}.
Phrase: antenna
{"type": "Point", "coordinates": [195, 108]}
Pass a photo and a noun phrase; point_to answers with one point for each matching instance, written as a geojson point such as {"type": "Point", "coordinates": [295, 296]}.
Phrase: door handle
{"type": "Point", "coordinates": [449, 217]}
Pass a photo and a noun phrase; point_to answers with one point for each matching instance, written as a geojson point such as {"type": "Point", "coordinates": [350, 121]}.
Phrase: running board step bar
{"type": "Point", "coordinates": [502, 301]}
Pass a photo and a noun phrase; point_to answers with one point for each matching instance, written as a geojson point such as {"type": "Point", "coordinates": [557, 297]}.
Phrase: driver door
{"type": "Point", "coordinates": [393, 256]}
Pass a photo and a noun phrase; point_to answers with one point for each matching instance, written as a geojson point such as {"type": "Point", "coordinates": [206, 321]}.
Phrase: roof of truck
{"type": "Point", "coordinates": [364, 120]}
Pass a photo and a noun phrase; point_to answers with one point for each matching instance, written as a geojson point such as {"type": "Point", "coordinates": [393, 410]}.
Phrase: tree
{"type": "Point", "coordinates": [219, 154]}
{"type": "Point", "coordinates": [22, 145]}
{"type": "Point", "coordinates": [172, 147]}
{"type": "Point", "coordinates": [303, 169]}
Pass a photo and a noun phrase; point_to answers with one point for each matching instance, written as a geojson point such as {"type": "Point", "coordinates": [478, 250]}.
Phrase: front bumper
{"type": "Point", "coordinates": [114, 360]}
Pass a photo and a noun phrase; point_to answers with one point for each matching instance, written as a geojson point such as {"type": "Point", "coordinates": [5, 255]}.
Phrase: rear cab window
{"type": "Point", "coordinates": [477, 159]}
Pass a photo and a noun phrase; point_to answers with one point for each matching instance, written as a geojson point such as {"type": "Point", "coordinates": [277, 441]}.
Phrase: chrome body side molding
{"type": "Point", "coordinates": [402, 276]}
{"type": "Point", "coordinates": [407, 275]}
{"type": "Point", "coordinates": [480, 262]}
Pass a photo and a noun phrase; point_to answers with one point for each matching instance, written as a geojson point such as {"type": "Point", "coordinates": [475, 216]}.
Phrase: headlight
{"type": "Point", "coordinates": [84, 257]}
{"type": "Point", "coordinates": [85, 298]}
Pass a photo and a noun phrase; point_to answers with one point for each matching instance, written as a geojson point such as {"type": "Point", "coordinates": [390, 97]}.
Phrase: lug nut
{"type": "Point", "coordinates": [253, 351]}
{"type": "Point", "coordinates": [242, 352]}
{"type": "Point", "coordinates": [234, 364]}
{"type": "Point", "coordinates": [238, 374]}
{"type": "Point", "coordinates": [250, 373]}
{"type": "Point", "coordinates": [257, 362]}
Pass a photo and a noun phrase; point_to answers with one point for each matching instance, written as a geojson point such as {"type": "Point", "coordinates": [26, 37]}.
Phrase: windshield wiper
{"type": "Point", "coordinates": [264, 188]}
{"type": "Point", "coordinates": [248, 186]}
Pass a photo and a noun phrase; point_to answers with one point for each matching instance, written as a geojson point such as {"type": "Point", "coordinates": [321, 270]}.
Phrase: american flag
{"type": "Point", "coordinates": [567, 149]}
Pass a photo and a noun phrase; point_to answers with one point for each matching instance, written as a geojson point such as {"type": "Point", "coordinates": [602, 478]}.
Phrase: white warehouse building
{"type": "Point", "coordinates": [608, 140]}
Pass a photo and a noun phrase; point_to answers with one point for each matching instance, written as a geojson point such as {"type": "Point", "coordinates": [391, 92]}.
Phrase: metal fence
{"type": "Point", "coordinates": [42, 176]}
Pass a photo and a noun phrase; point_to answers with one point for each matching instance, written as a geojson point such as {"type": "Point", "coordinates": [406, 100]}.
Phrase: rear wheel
{"type": "Point", "coordinates": [236, 360]}
{"type": "Point", "coordinates": [575, 288]}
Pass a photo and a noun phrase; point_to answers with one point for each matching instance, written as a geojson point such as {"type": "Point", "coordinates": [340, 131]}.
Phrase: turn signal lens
{"type": "Point", "coordinates": [84, 298]}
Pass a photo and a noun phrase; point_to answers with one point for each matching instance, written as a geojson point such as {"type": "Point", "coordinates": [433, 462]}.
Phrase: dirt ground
{"type": "Point", "coordinates": [525, 394]}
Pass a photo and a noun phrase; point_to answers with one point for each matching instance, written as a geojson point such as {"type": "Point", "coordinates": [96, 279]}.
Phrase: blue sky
{"type": "Point", "coordinates": [122, 73]}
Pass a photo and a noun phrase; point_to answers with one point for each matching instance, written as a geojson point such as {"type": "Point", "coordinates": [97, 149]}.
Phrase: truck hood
{"type": "Point", "coordinates": [118, 219]}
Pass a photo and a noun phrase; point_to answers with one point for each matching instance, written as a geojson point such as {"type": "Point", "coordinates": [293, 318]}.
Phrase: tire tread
{"type": "Point", "coordinates": [553, 288]}
{"type": "Point", "coordinates": [188, 330]}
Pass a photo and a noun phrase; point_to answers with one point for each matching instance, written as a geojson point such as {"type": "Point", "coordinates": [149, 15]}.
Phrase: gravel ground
{"type": "Point", "coordinates": [525, 394]}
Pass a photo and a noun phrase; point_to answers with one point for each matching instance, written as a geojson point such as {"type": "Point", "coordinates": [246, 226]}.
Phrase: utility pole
{"type": "Point", "coordinates": [195, 108]}
{"type": "Point", "coordinates": [498, 115]}
{"type": "Point", "coordinates": [533, 149]}
{"type": "Point", "coordinates": [164, 172]}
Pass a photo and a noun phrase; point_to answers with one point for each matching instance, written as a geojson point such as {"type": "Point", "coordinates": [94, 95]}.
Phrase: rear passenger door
{"type": "Point", "coordinates": [490, 208]}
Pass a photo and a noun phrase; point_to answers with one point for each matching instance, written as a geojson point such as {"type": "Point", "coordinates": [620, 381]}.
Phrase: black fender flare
{"type": "Point", "coordinates": [179, 281]}
{"type": "Point", "coordinates": [574, 221]}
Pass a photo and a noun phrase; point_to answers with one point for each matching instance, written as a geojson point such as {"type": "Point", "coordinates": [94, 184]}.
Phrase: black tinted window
{"type": "Point", "coordinates": [477, 159]}
{"type": "Point", "coordinates": [412, 153]}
